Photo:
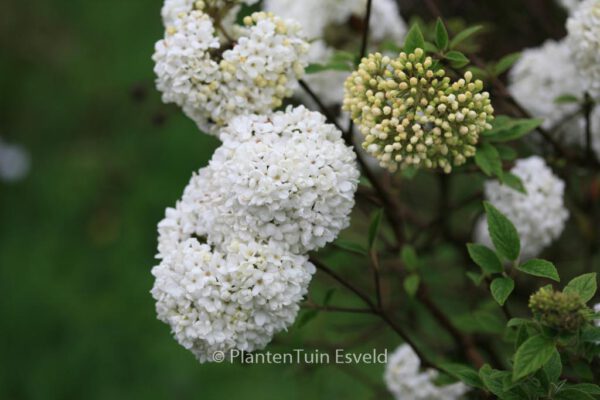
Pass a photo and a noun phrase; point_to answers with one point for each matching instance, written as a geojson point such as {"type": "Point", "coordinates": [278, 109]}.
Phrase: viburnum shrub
{"type": "Point", "coordinates": [330, 164]}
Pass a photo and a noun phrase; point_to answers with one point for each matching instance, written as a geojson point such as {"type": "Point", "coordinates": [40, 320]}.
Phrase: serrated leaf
{"type": "Point", "coordinates": [456, 58]}
{"type": "Point", "coordinates": [503, 233]}
{"type": "Point", "coordinates": [409, 258]}
{"type": "Point", "coordinates": [488, 160]}
{"type": "Point", "coordinates": [532, 355]}
{"type": "Point", "coordinates": [464, 373]}
{"type": "Point", "coordinates": [411, 284]}
{"type": "Point", "coordinates": [485, 258]}
{"type": "Point", "coordinates": [506, 62]}
{"type": "Point", "coordinates": [351, 247]}
{"type": "Point", "coordinates": [441, 35]}
{"type": "Point", "coordinates": [465, 34]}
{"type": "Point", "coordinates": [374, 227]}
{"type": "Point", "coordinates": [501, 288]}
{"type": "Point", "coordinates": [414, 39]}
{"type": "Point", "coordinates": [585, 285]}
{"type": "Point", "coordinates": [540, 268]}
{"type": "Point", "coordinates": [553, 368]}
{"type": "Point", "coordinates": [513, 181]}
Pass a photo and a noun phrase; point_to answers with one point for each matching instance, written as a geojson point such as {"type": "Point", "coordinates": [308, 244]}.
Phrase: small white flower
{"type": "Point", "coordinates": [539, 216]}
{"type": "Point", "coordinates": [406, 382]}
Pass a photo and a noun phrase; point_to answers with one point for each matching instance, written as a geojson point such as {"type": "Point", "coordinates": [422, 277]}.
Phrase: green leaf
{"type": "Point", "coordinates": [463, 35]}
{"type": "Point", "coordinates": [332, 66]}
{"type": "Point", "coordinates": [374, 227]}
{"type": "Point", "coordinates": [476, 278]}
{"type": "Point", "coordinates": [308, 316]}
{"type": "Point", "coordinates": [488, 159]}
{"type": "Point", "coordinates": [505, 129]}
{"type": "Point", "coordinates": [541, 268]}
{"type": "Point", "coordinates": [441, 35]}
{"type": "Point", "coordinates": [464, 373]}
{"type": "Point", "coordinates": [409, 258]}
{"type": "Point", "coordinates": [591, 334]}
{"type": "Point", "coordinates": [513, 181]}
{"type": "Point", "coordinates": [532, 355]}
{"type": "Point", "coordinates": [485, 258]}
{"type": "Point", "coordinates": [456, 58]}
{"type": "Point", "coordinates": [501, 288]}
{"type": "Point", "coordinates": [585, 285]}
{"type": "Point", "coordinates": [351, 247]}
{"type": "Point", "coordinates": [553, 368]}
{"type": "Point", "coordinates": [514, 322]}
{"type": "Point", "coordinates": [503, 233]}
{"type": "Point", "coordinates": [493, 379]}
{"type": "Point", "coordinates": [566, 99]}
{"type": "Point", "coordinates": [506, 62]}
{"type": "Point", "coordinates": [572, 394]}
{"type": "Point", "coordinates": [507, 153]}
{"type": "Point", "coordinates": [328, 296]}
{"type": "Point", "coordinates": [588, 388]}
{"type": "Point", "coordinates": [414, 39]}
{"type": "Point", "coordinates": [411, 284]}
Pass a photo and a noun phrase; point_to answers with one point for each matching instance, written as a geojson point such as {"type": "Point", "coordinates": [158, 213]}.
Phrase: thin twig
{"type": "Point", "coordinates": [321, 105]}
{"type": "Point", "coordinates": [337, 309]}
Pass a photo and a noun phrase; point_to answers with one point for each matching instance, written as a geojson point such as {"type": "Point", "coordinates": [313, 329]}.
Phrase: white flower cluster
{"type": "Point", "coordinates": [14, 162]}
{"type": "Point", "coordinates": [405, 381]}
{"type": "Point", "coordinates": [232, 270]}
{"type": "Point", "coordinates": [570, 66]}
{"type": "Point", "coordinates": [288, 177]}
{"type": "Point", "coordinates": [173, 9]}
{"type": "Point", "coordinates": [238, 298]}
{"type": "Point", "coordinates": [316, 16]}
{"type": "Point", "coordinates": [540, 76]}
{"type": "Point", "coordinates": [539, 216]}
{"type": "Point", "coordinates": [584, 40]}
{"type": "Point", "coordinates": [254, 76]}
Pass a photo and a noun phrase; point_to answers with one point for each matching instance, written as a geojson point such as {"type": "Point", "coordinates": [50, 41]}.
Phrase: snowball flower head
{"type": "Point", "coordinates": [540, 76]}
{"type": "Point", "coordinates": [411, 114]}
{"type": "Point", "coordinates": [405, 381]}
{"type": "Point", "coordinates": [584, 39]}
{"type": "Point", "coordinates": [539, 216]}
{"type": "Point", "coordinates": [237, 298]}
{"type": "Point", "coordinates": [288, 177]}
{"type": "Point", "coordinates": [254, 76]}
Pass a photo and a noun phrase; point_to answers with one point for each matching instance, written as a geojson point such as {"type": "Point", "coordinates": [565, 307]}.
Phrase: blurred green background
{"type": "Point", "coordinates": [78, 235]}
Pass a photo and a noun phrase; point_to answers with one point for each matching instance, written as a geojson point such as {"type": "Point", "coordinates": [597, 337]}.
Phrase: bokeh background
{"type": "Point", "coordinates": [78, 236]}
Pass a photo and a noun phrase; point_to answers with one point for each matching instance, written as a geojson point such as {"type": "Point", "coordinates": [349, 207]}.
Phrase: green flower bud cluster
{"type": "Point", "coordinates": [411, 114]}
{"type": "Point", "coordinates": [561, 311]}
